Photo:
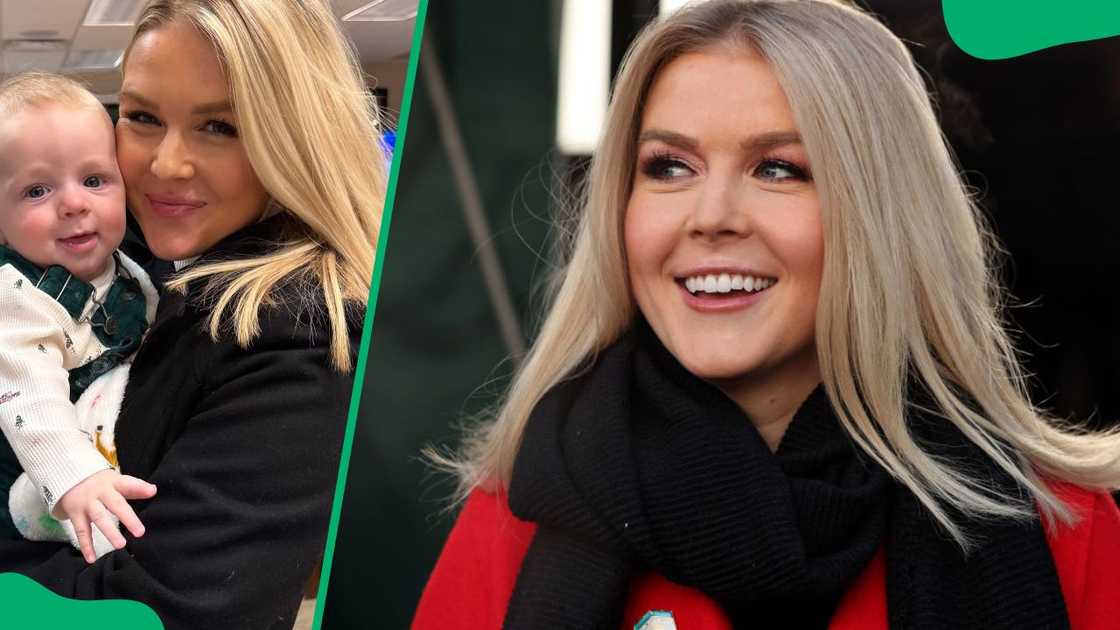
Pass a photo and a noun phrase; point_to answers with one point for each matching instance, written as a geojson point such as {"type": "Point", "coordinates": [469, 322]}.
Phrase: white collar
{"type": "Point", "coordinates": [179, 264]}
{"type": "Point", "coordinates": [105, 279]}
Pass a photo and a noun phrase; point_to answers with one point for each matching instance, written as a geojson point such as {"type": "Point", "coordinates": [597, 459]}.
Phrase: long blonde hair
{"type": "Point", "coordinates": [310, 131]}
{"type": "Point", "coordinates": [908, 288]}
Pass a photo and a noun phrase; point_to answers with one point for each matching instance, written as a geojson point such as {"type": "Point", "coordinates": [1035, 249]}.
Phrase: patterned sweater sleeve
{"type": "Point", "coordinates": [36, 415]}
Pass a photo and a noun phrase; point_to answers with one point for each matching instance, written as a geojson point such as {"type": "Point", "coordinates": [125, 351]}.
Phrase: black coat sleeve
{"type": "Point", "coordinates": [244, 495]}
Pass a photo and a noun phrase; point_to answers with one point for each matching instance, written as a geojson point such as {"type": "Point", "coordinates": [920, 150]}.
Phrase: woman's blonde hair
{"type": "Point", "coordinates": [311, 132]}
{"type": "Point", "coordinates": [909, 295]}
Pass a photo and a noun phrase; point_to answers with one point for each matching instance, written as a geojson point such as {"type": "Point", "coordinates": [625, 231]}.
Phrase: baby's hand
{"type": "Point", "coordinates": [91, 501]}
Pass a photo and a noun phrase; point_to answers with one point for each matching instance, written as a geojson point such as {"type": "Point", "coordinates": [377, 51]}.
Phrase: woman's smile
{"type": "Point", "coordinates": [172, 206]}
{"type": "Point", "coordinates": [720, 290]}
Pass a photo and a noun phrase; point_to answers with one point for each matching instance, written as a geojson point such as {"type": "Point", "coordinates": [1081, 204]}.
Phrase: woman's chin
{"type": "Point", "coordinates": [718, 369]}
{"type": "Point", "coordinates": [173, 250]}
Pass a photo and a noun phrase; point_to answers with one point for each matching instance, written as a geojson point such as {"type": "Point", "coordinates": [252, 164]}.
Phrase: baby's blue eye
{"type": "Point", "coordinates": [93, 181]}
{"type": "Point", "coordinates": [35, 192]}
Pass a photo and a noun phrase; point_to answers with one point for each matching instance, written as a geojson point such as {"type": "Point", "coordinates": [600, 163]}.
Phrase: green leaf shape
{"type": "Point", "coordinates": [1000, 29]}
{"type": "Point", "coordinates": [30, 605]}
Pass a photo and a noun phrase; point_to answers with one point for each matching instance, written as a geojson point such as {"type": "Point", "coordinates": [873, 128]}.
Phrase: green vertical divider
{"type": "Point", "coordinates": [367, 330]}
{"type": "Point", "coordinates": [438, 355]}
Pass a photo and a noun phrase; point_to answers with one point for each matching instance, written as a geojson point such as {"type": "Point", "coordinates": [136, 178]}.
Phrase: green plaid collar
{"type": "Point", "coordinates": [71, 292]}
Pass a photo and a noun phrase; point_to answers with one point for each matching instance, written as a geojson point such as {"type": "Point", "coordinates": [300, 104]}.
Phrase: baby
{"type": "Point", "coordinates": [73, 310]}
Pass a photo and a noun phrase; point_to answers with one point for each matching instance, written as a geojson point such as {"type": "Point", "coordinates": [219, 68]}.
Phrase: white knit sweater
{"type": "Point", "coordinates": [39, 343]}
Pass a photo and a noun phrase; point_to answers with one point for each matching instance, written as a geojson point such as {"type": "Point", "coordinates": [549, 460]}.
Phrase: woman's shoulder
{"type": "Point", "coordinates": [249, 278]}
{"type": "Point", "coordinates": [487, 520]}
{"type": "Point", "coordinates": [474, 579]}
{"type": "Point", "coordinates": [1096, 511]}
{"type": "Point", "coordinates": [297, 307]}
{"type": "Point", "coordinates": [471, 584]}
{"type": "Point", "coordinates": [1087, 556]}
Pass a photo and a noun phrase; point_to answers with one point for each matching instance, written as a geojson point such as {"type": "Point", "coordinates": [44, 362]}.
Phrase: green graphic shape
{"type": "Point", "coordinates": [39, 608]}
{"type": "Point", "coordinates": [999, 29]}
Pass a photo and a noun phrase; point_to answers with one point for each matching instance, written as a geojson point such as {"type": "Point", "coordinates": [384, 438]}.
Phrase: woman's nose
{"type": "Point", "coordinates": [172, 159]}
{"type": "Point", "coordinates": [719, 209]}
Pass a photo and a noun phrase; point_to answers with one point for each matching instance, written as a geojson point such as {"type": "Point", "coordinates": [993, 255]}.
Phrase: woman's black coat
{"type": "Point", "coordinates": [243, 445]}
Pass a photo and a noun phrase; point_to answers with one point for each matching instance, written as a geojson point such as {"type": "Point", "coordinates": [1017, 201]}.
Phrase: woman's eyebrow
{"type": "Point", "coordinates": [671, 138]}
{"type": "Point", "coordinates": [206, 108]}
{"type": "Point", "coordinates": [770, 140]}
{"type": "Point", "coordinates": [754, 144]}
{"type": "Point", "coordinates": [216, 107]}
{"type": "Point", "coordinates": [129, 94]}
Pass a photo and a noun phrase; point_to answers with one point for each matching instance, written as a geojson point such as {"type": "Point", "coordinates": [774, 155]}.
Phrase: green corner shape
{"type": "Point", "coordinates": [39, 608]}
{"type": "Point", "coordinates": [1000, 29]}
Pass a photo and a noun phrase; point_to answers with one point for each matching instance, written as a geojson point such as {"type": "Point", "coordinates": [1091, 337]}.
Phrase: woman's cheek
{"type": "Point", "coordinates": [650, 233]}
{"type": "Point", "coordinates": [129, 157]}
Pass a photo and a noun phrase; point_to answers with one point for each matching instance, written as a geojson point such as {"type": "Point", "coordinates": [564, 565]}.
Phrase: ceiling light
{"type": "Point", "coordinates": [42, 60]}
{"type": "Point", "coordinates": [113, 12]}
{"type": "Point", "coordinates": [383, 11]}
{"type": "Point", "coordinates": [34, 45]}
{"type": "Point", "coordinates": [102, 59]}
{"type": "Point", "coordinates": [40, 34]}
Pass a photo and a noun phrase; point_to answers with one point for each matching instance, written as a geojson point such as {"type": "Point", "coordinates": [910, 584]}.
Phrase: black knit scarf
{"type": "Point", "coordinates": [638, 465]}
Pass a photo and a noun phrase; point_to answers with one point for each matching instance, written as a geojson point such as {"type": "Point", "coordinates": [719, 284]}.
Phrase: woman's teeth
{"type": "Point", "coordinates": [726, 283]}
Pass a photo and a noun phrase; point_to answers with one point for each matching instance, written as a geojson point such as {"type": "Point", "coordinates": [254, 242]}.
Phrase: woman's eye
{"type": "Point", "coordinates": [665, 167]}
{"type": "Point", "coordinates": [221, 128]}
{"type": "Point", "coordinates": [37, 191]}
{"type": "Point", "coordinates": [93, 181]}
{"type": "Point", "coordinates": [779, 170]}
{"type": "Point", "coordinates": [141, 117]}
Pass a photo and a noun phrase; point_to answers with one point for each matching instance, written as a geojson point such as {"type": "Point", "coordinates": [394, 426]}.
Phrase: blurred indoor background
{"type": "Point", "coordinates": [85, 39]}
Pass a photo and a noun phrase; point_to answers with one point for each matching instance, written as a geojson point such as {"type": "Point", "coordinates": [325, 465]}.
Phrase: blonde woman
{"type": "Point", "coordinates": [773, 389]}
{"type": "Point", "coordinates": [250, 157]}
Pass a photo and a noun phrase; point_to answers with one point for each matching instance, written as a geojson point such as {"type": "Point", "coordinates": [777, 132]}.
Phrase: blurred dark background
{"type": "Point", "coordinates": [1036, 136]}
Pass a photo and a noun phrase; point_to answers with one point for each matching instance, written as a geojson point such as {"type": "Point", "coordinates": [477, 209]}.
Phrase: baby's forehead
{"type": "Point", "coordinates": [55, 133]}
{"type": "Point", "coordinates": [28, 122]}
{"type": "Point", "coordinates": [59, 113]}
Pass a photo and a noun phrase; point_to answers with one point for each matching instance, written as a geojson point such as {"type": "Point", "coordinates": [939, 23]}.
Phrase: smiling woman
{"type": "Point", "coordinates": [723, 233]}
{"type": "Point", "coordinates": [773, 388]}
{"type": "Point", "coordinates": [190, 180]}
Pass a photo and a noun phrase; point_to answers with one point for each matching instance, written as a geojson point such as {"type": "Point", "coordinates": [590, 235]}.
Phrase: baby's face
{"type": "Point", "coordinates": [61, 194]}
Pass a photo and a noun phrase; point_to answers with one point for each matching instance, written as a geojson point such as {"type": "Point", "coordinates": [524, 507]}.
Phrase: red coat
{"type": "Point", "coordinates": [474, 578]}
